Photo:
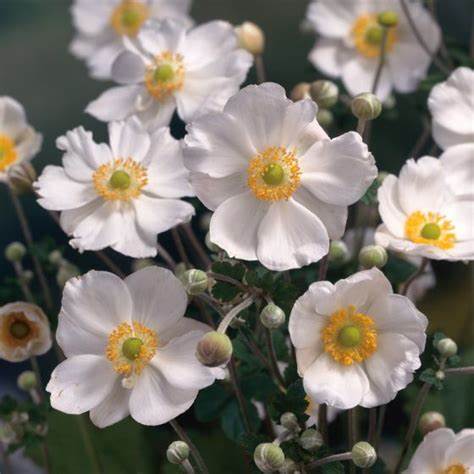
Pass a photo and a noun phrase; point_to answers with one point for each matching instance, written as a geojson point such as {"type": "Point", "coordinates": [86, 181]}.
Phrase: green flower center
{"type": "Point", "coordinates": [349, 336]}
{"type": "Point", "coordinates": [120, 180]}
{"type": "Point", "coordinates": [431, 231]}
{"type": "Point", "coordinates": [374, 35]}
{"type": "Point", "coordinates": [163, 73]}
{"type": "Point", "coordinates": [273, 174]}
{"type": "Point", "coordinates": [131, 18]}
{"type": "Point", "coordinates": [19, 330]}
{"type": "Point", "coordinates": [131, 348]}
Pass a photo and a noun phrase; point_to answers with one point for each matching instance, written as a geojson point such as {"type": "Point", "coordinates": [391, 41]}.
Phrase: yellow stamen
{"type": "Point", "coordinates": [349, 337]}
{"type": "Point", "coordinates": [367, 35]}
{"type": "Point", "coordinates": [455, 469]}
{"type": "Point", "coordinates": [8, 153]}
{"type": "Point", "coordinates": [120, 180]}
{"type": "Point", "coordinates": [274, 174]}
{"type": "Point", "coordinates": [165, 76]}
{"type": "Point", "coordinates": [430, 229]}
{"type": "Point", "coordinates": [17, 330]}
{"type": "Point", "coordinates": [131, 347]}
{"type": "Point", "coordinates": [129, 16]}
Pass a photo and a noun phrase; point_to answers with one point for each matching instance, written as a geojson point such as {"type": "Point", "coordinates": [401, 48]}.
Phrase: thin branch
{"type": "Point", "coordinates": [198, 248]}
{"type": "Point", "coordinates": [460, 371]}
{"type": "Point", "coordinates": [422, 139]}
{"type": "Point", "coordinates": [328, 459]}
{"type": "Point", "coordinates": [406, 286]}
{"type": "Point", "coordinates": [227, 279]}
{"type": "Point", "coordinates": [108, 262]}
{"type": "Point", "coordinates": [273, 358]}
{"type": "Point", "coordinates": [239, 395]}
{"type": "Point", "coordinates": [228, 318]}
{"type": "Point", "coordinates": [260, 69]}
{"type": "Point", "coordinates": [164, 254]}
{"type": "Point", "coordinates": [383, 51]}
{"type": "Point", "coordinates": [180, 247]}
{"type": "Point", "coordinates": [380, 425]}
{"type": "Point", "coordinates": [351, 433]}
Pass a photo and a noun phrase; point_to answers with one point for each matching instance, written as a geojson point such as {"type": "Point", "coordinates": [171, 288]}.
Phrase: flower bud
{"type": "Point", "coordinates": [289, 421]}
{"type": "Point", "coordinates": [22, 177]}
{"type": "Point", "coordinates": [366, 106]}
{"type": "Point", "coordinates": [272, 316]}
{"type": "Point", "coordinates": [311, 440]}
{"type": "Point", "coordinates": [289, 467]}
{"type": "Point", "coordinates": [388, 19]}
{"type": "Point", "coordinates": [363, 455]}
{"type": "Point", "coordinates": [177, 452]}
{"type": "Point", "coordinates": [373, 256]}
{"type": "Point", "coordinates": [15, 252]}
{"type": "Point", "coordinates": [214, 349]}
{"type": "Point", "coordinates": [195, 281]}
{"type": "Point", "coordinates": [447, 347]}
{"type": "Point", "coordinates": [338, 252]}
{"type": "Point", "coordinates": [8, 434]}
{"type": "Point", "coordinates": [27, 276]}
{"type": "Point", "coordinates": [66, 271]}
{"type": "Point", "coordinates": [324, 93]}
{"type": "Point", "coordinates": [250, 37]}
{"type": "Point", "coordinates": [55, 258]}
{"type": "Point", "coordinates": [300, 92]}
{"type": "Point", "coordinates": [440, 375]}
{"type": "Point", "coordinates": [430, 421]}
{"type": "Point", "coordinates": [180, 269]}
{"type": "Point", "coordinates": [205, 221]}
{"type": "Point", "coordinates": [268, 457]}
{"type": "Point", "coordinates": [211, 245]}
{"type": "Point", "coordinates": [27, 381]}
{"type": "Point", "coordinates": [325, 118]}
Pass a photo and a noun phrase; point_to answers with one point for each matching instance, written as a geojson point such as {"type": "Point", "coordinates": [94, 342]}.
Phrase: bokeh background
{"type": "Point", "coordinates": [37, 69]}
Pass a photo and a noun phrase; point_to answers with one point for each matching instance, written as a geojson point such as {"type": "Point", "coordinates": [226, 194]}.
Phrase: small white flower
{"type": "Point", "coordinates": [357, 343]}
{"type": "Point", "coordinates": [24, 332]}
{"type": "Point", "coordinates": [278, 185]}
{"type": "Point", "coordinates": [452, 107]}
{"type": "Point", "coordinates": [129, 349]}
{"type": "Point", "coordinates": [350, 44]}
{"type": "Point", "coordinates": [102, 25]}
{"type": "Point", "coordinates": [170, 68]}
{"type": "Point", "coordinates": [19, 141]}
{"type": "Point", "coordinates": [444, 452]}
{"type": "Point", "coordinates": [118, 196]}
{"type": "Point", "coordinates": [422, 216]}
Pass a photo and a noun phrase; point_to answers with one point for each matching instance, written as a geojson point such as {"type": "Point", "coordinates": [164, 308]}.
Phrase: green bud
{"type": "Point", "coordinates": [214, 349]}
{"type": "Point", "coordinates": [177, 452]}
{"type": "Point", "coordinates": [324, 93]}
{"type": "Point", "coordinates": [289, 421]}
{"type": "Point", "coordinates": [430, 421]}
{"type": "Point", "coordinates": [289, 467]}
{"type": "Point", "coordinates": [15, 252]}
{"type": "Point", "coordinates": [300, 92]}
{"type": "Point", "coordinates": [195, 281]}
{"type": "Point", "coordinates": [180, 269]}
{"type": "Point", "coordinates": [210, 245]}
{"type": "Point", "coordinates": [268, 457]}
{"type": "Point", "coordinates": [373, 256]}
{"type": "Point", "coordinates": [366, 106]}
{"type": "Point", "coordinates": [27, 381]}
{"type": "Point", "coordinates": [363, 455]}
{"type": "Point", "coordinates": [66, 271]}
{"type": "Point", "coordinates": [272, 316]}
{"type": "Point", "coordinates": [388, 19]}
{"type": "Point", "coordinates": [338, 253]}
{"type": "Point", "coordinates": [55, 257]}
{"type": "Point", "coordinates": [447, 347]}
{"type": "Point", "coordinates": [325, 118]}
{"type": "Point", "coordinates": [311, 440]}
{"type": "Point", "coordinates": [440, 375]}
{"type": "Point", "coordinates": [27, 276]}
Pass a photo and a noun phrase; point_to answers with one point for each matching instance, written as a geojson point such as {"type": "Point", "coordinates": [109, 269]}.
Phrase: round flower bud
{"type": "Point", "coordinates": [66, 271]}
{"type": "Point", "coordinates": [211, 245]}
{"type": "Point", "coordinates": [289, 421]}
{"type": "Point", "coordinates": [324, 93]}
{"type": "Point", "coordinates": [289, 467]}
{"type": "Point", "coordinates": [27, 276]}
{"type": "Point", "coordinates": [430, 421]}
{"type": "Point", "coordinates": [15, 252]}
{"type": "Point", "coordinates": [27, 381]}
{"type": "Point", "coordinates": [373, 256]}
{"type": "Point", "coordinates": [447, 347]}
{"type": "Point", "coordinates": [338, 252]}
{"type": "Point", "coordinates": [325, 118]}
{"type": "Point", "coordinates": [179, 269]}
{"type": "Point", "coordinates": [250, 37]}
{"type": "Point", "coordinates": [311, 440]}
{"type": "Point", "coordinates": [177, 452]}
{"type": "Point", "coordinates": [272, 316]}
{"type": "Point", "coordinates": [22, 177]}
{"type": "Point", "coordinates": [268, 457]}
{"type": "Point", "coordinates": [55, 257]}
{"type": "Point", "coordinates": [214, 349]}
{"type": "Point", "coordinates": [440, 375]}
{"type": "Point", "coordinates": [388, 19]}
{"type": "Point", "coordinates": [195, 281]}
{"type": "Point", "coordinates": [363, 455]}
{"type": "Point", "coordinates": [300, 92]}
{"type": "Point", "coordinates": [205, 221]}
{"type": "Point", "coordinates": [366, 106]}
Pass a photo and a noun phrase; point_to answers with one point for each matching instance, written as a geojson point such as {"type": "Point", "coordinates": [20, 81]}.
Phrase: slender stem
{"type": "Point", "coordinates": [273, 358]}
{"type": "Point", "coordinates": [380, 424]}
{"type": "Point", "coordinates": [239, 395]}
{"type": "Point", "coordinates": [25, 289]}
{"type": "Point", "coordinates": [256, 350]}
{"type": "Point", "coordinates": [351, 433]}
{"type": "Point", "coordinates": [108, 262]}
{"type": "Point", "coordinates": [227, 279]}
{"type": "Point", "coordinates": [210, 302]}
{"type": "Point", "coordinates": [194, 450]}
{"type": "Point", "coordinates": [460, 371]}
{"type": "Point", "coordinates": [406, 286]}
{"type": "Point", "coordinates": [224, 324]}
{"type": "Point", "coordinates": [443, 49]}
{"type": "Point", "coordinates": [187, 467]}
{"type": "Point", "coordinates": [361, 124]}
{"type": "Point", "coordinates": [204, 312]}
{"type": "Point", "coordinates": [323, 422]}
{"type": "Point", "coordinates": [260, 69]}
{"type": "Point", "coordinates": [198, 248]}
{"type": "Point", "coordinates": [36, 370]}
{"type": "Point", "coordinates": [422, 140]}
{"type": "Point", "coordinates": [471, 43]}
{"type": "Point", "coordinates": [333, 458]}
{"type": "Point", "coordinates": [372, 425]}
{"type": "Point", "coordinates": [180, 247]}
{"type": "Point", "coordinates": [164, 254]}
{"type": "Point", "coordinates": [383, 50]}
{"type": "Point", "coordinates": [82, 422]}
{"type": "Point", "coordinates": [323, 268]}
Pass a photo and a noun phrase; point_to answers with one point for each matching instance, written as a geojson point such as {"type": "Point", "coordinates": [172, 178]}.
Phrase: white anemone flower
{"type": "Point", "coordinates": [129, 349]}
{"type": "Point", "coordinates": [278, 184]}
{"type": "Point", "coordinates": [422, 216]}
{"type": "Point", "coordinates": [350, 44]}
{"type": "Point", "coordinates": [452, 108]}
{"type": "Point", "coordinates": [119, 196]}
{"type": "Point", "coordinates": [444, 452]}
{"type": "Point", "coordinates": [101, 26]}
{"type": "Point", "coordinates": [170, 68]}
{"type": "Point", "coordinates": [458, 166]}
{"type": "Point", "coordinates": [19, 142]}
{"type": "Point", "coordinates": [24, 332]}
{"type": "Point", "coordinates": [357, 343]}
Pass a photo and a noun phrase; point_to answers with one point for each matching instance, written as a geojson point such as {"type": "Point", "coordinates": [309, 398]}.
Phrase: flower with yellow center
{"type": "Point", "coordinates": [165, 75]}
{"type": "Point", "coordinates": [8, 153]}
{"type": "Point", "coordinates": [456, 469]}
{"type": "Point", "coordinates": [430, 229]}
{"type": "Point", "coordinates": [312, 410]}
{"type": "Point", "coordinates": [129, 16]}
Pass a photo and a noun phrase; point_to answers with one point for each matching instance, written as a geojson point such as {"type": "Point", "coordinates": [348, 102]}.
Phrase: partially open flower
{"type": "Point", "coordinates": [24, 332]}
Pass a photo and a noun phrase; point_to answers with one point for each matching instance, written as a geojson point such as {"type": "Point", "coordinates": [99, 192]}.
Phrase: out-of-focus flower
{"type": "Point", "coordinates": [278, 185]}
{"type": "Point", "coordinates": [19, 142]}
{"type": "Point", "coordinates": [129, 349]}
{"type": "Point", "coordinates": [443, 451]}
{"type": "Point", "coordinates": [421, 215]}
{"type": "Point", "coordinates": [452, 107]}
{"type": "Point", "coordinates": [121, 195]}
{"type": "Point", "coordinates": [102, 25]}
{"type": "Point", "coordinates": [351, 40]}
{"type": "Point", "coordinates": [170, 68]}
{"type": "Point", "coordinates": [24, 332]}
{"type": "Point", "coordinates": [356, 334]}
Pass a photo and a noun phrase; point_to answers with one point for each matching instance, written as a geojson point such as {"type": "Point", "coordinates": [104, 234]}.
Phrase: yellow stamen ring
{"type": "Point", "coordinates": [17, 330]}
{"type": "Point", "coordinates": [430, 229]}
{"type": "Point", "coordinates": [128, 17]}
{"type": "Point", "coordinates": [367, 35]}
{"type": "Point", "coordinates": [8, 153]}
{"type": "Point", "coordinates": [165, 75]}
{"type": "Point", "coordinates": [455, 469]}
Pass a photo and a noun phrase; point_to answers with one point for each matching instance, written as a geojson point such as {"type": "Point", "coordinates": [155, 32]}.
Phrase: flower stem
{"type": "Point", "coordinates": [224, 324]}
{"type": "Point", "coordinates": [108, 262]}
{"type": "Point", "coordinates": [227, 279]}
{"type": "Point", "coordinates": [273, 358]}
{"type": "Point", "coordinates": [260, 69]}
{"type": "Point", "coordinates": [323, 268]}
{"type": "Point", "coordinates": [180, 247]}
{"type": "Point", "coordinates": [328, 459]}
{"type": "Point", "coordinates": [88, 444]}
{"type": "Point", "coordinates": [323, 422]}
{"type": "Point", "coordinates": [383, 51]}
{"type": "Point", "coordinates": [239, 395]}
{"type": "Point", "coordinates": [406, 286]}
{"type": "Point", "coordinates": [380, 424]}
{"type": "Point", "coordinates": [187, 467]}
{"type": "Point", "coordinates": [460, 371]}
{"type": "Point", "coordinates": [351, 432]}
{"type": "Point", "coordinates": [198, 248]}
{"type": "Point", "coordinates": [164, 254]}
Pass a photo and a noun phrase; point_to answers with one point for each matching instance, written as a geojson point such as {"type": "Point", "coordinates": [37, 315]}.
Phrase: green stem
{"type": "Point", "coordinates": [82, 423]}
{"type": "Point", "coordinates": [239, 395]}
{"type": "Point", "coordinates": [273, 358]}
{"type": "Point", "coordinates": [328, 459]}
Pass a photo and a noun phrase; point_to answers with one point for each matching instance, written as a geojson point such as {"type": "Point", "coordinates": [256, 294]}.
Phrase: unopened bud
{"type": "Point", "coordinates": [214, 349]}
{"type": "Point", "coordinates": [272, 316]}
{"type": "Point", "coordinates": [27, 381]}
{"type": "Point", "coordinates": [440, 375]}
{"type": "Point", "coordinates": [180, 269]}
{"type": "Point", "coordinates": [177, 452]}
{"type": "Point", "coordinates": [388, 19]}
{"type": "Point", "coordinates": [447, 347]}
{"type": "Point", "coordinates": [27, 276]}
{"type": "Point", "coordinates": [289, 421]}
{"type": "Point", "coordinates": [324, 93]}
{"type": "Point", "coordinates": [338, 253]}
{"type": "Point", "coordinates": [311, 440]}
{"type": "Point", "coordinates": [251, 37]}
{"type": "Point", "coordinates": [195, 281]}
{"type": "Point", "coordinates": [366, 106]}
{"type": "Point", "coordinates": [22, 177]}
{"type": "Point", "coordinates": [8, 435]}
{"type": "Point", "coordinates": [211, 245]}
{"type": "Point", "coordinates": [430, 421]}
{"type": "Point", "coordinates": [141, 263]}
{"type": "Point", "coordinates": [373, 256]}
{"type": "Point", "coordinates": [325, 118]}
{"type": "Point", "coordinates": [289, 467]}
{"type": "Point", "coordinates": [205, 221]}
{"type": "Point", "coordinates": [55, 258]}
{"type": "Point", "coordinates": [268, 457]}
{"type": "Point", "coordinates": [66, 271]}
{"type": "Point", "coordinates": [363, 455]}
{"type": "Point", "coordinates": [300, 92]}
{"type": "Point", "coordinates": [15, 252]}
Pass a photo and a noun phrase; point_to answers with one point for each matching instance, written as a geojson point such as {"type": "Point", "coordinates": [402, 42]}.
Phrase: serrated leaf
{"type": "Point", "coordinates": [249, 441]}
{"type": "Point", "coordinates": [333, 468]}
{"type": "Point", "coordinates": [258, 386]}
{"type": "Point", "coordinates": [224, 291]}
{"type": "Point", "coordinates": [234, 270]}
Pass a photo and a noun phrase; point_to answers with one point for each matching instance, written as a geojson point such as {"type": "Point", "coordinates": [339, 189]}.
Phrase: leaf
{"type": "Point", "coordinates": [258, 387]}
{"type": "Point", "coordinates": [234, 270]}
{"type": "Point", "coordinates": [398, 270]}
{"type": "Point", "coordinates": [210, 402]}
{"type": "Point", "coordinates": [249, 441]}
{"type": "Point", "coordinates": [224, 291]}
{"type": "Point", "coordinates": [370, 196]}
{"type": "Point", "coordinates": [231, 419]}
{"type": "Point", "coordinates": [333, 468]}
{"type": "Point", "coordinates": [294, 400]}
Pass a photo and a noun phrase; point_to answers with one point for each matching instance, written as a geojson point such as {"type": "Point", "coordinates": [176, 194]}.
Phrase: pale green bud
{"type": "Point", "coordinates": [300, 92]}
{"type": "Point", "coordinates": [363, 455]}
{"type": "Point", "coordinates": [195, 281]}
{"type": "Point", "coordinates": [27, 276]}
{"type": "Point", "coordinates": [311, 440]}
{"type": "Point", "coordinates": [214, 349]}
{"type": "Point", "coordinates": [366, 106]}
{"type": "Point", "coordinates": [27, 381]}
{"type": "Point", "coordinates": [268, 457]}
{"type": "Point", "coordinates": [289, 421]}
{"type": "Point", "coordinates": [447, 347]}
{"type": "Point", "coordinates": [324, 93]}
{"type": "Point", "coordinates": [177, 452]}
{"type": "Point", "coordinates": [272, 316]}
{"type": "Point", "coordinates": [430, 421]}
{"type": "Point", "coordinates": [289, 467]}
{"type": "Point", "coordinates": [440, 375]}
{"type": "Point", "coordinates": [250, 37]}
{"type": "Point", "coordinates": [373, 256]}
{"type": "Point", "coordinates": [338, 253]}
{"type": "Point", "coordinates": [15, 252]}
{"type": "Point", "coordinates": [55, 257]}
{"type": "Point", "coordinates": [325, 118]}
{"type": "Point", "coordinates": [66, 271]}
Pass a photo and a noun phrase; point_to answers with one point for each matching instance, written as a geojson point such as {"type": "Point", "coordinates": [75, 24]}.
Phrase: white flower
{"type": "Point", "coordinates": [312, 410]}
{"type": "Point", "coordinates": [102, 25]}
{"type": "Point", "coordinates": [121, 195]}
{"type": "Point", "coordinates": [170, 68]}
{"type": "Point", "coordinates": [422, 216]}
{"type": "Point", "coordinates": [452, 107]}
{"type": "Point", "coordinates": [444, 452]}
{"type": "Point", "coordinates": [350, 44]}
{"type": "Point", "coordinates": [24, 332]}
{"type": "Point", "coordinates": [19, 141]}
{"type": "Point", "coordinates": [458, 166]}
{"type": "Point", "coordinates": [129, 349]}
{"type": "Point", "coordinates": [278, 185]}
{"type": "Point", "coordinates": [357, 343]}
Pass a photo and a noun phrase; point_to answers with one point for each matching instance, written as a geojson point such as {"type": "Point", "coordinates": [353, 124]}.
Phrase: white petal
{"type": "Point", "coordinates": [71, 218]}
{"type": "Point", "coordinates": [461, 214]}
{"type": "Point", "coordinates": [129, 139]}
{"type": "Point", "coordinates": [91, 17]}
{"type": "Point", "coordinates": [29, 144]}
{"type": "Point", "coordinates": [329, 56]}
{"type": "Point", "coordinates": [389, 206]}
{"type": "Point", "coordinates": [113, 408]}
{"type": "Point", "coordinates": [305, 358]}
{"type": "Point", "coordinates": [166, 35]}
{"type": "Point", "coordinates": [12, 117]}
{"type": "Point", "coordinates": [104, 54]}
{"type": "Point", "coordinates": [461, 450]}
{"type": "Point", "coordinates": [128, 68]}
{"type": "Point", "coordinates": [458, 166]}
{"type": "Point", "coordinates": [332, 18]}
{"type": "Point", "coordinates": [155, 114]}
